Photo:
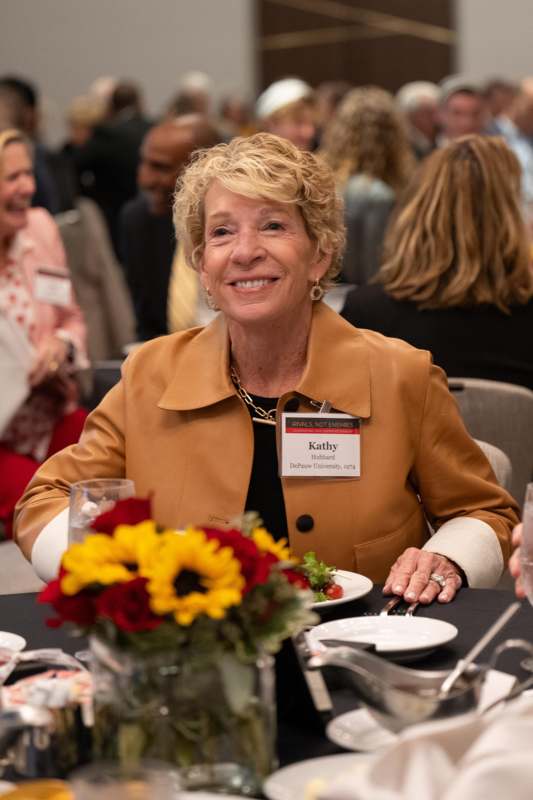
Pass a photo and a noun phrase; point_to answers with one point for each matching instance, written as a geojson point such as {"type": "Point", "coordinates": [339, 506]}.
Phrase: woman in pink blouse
{"type": "Point", "coordinates": [35, 297]}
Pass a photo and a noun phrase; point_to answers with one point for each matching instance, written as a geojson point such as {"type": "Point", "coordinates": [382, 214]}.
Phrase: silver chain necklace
{"type": "Point", "coordinates": [264, 417]}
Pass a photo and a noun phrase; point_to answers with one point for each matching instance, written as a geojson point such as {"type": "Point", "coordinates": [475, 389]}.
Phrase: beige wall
{"type": "Point", "coordinates": [495, 37]}
{"type": "Point", "coordinates": [64, 44]}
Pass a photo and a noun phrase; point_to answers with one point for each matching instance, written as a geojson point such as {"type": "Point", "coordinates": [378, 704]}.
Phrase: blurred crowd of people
{"type": "Point", "coordinates": [438, 193]}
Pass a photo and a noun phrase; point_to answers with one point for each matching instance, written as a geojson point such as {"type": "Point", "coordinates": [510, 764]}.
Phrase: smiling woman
{"type": "Point", "coordinates": [37, 303]}
{"type": "Point", "coordinates": [218, 420]}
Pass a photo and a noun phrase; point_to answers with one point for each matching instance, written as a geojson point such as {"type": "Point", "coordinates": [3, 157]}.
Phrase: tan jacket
{"type": "Point", "coordinates": [176, 426]}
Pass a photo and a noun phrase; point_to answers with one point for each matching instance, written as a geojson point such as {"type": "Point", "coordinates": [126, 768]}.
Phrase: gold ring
{"type": "Point", "coordinates": [53, 365]}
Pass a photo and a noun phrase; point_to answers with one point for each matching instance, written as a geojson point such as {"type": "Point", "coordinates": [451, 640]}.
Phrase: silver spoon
{"type": "Point", "coordinates": [472, 654]}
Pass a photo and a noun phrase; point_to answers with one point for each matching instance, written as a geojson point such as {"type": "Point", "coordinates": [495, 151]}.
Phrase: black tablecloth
{"type": "Point", "coordinates": [473, 611]}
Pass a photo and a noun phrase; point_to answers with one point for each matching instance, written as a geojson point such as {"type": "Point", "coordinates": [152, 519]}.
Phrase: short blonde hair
{"type": "Point", "coordinates": [262, 166]}
{"type": "Point", "coordinates": [13, 136]}
{"type": "Point", "coordinates": [368, 135]}
{"type": "Point", "coordinates": [459, 239]}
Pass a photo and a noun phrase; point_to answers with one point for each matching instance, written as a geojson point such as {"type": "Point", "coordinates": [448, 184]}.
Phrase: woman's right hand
{"type": "Point", "coordinates": [514, 562]}
{"type": "Point", "coordinates": [51, 355]}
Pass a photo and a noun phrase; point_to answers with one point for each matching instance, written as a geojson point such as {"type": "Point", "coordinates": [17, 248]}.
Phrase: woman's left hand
{"type": "Point", "coordinates": [411, 577]}
{"type": "Point", "coordinates": [51, 355]}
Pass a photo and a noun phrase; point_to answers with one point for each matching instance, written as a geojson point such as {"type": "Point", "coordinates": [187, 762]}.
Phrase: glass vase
{"type": "Point", "coordinates": [212, 715]}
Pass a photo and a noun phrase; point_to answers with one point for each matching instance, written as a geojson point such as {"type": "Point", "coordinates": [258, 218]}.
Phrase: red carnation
{"type": "Point", "coordinates": [124, 512]}
{"type": "Point", "coordinates": [297, 578]}
{"type": "Point", "coordinates": [255, 566]}
{"type": "Point", "coordinates": [126, 604]}
{"type": "Point", "coordinates": [78, 608]}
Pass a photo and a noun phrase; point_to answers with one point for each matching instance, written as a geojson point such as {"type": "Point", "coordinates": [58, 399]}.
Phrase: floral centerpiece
{"type": "Point", "coordinates": [181, 626]}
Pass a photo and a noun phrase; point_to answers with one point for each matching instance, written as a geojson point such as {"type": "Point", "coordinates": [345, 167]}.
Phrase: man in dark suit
{"type": "Point", "coordinates": [107, 163]}
{"type": "Point", "coordinates": [147, 242]}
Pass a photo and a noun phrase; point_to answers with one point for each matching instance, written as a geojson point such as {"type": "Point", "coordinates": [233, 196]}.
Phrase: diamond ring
{"type": "Point", "coordinates": [440, 579]}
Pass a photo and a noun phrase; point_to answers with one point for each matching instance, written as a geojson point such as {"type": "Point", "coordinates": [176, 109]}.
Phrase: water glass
{"type": "Point", "coordinates": [526, 556]}
{"type": "Point", "coordinates": [89, 499]}
{"type": "Point", "coordinates": [145, 780]}
{"type": "Point", "coordinates": [526, 548]}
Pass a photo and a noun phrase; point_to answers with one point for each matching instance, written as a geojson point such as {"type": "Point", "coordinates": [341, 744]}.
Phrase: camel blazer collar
{"type": "Point", "coordinates": [335, 350]}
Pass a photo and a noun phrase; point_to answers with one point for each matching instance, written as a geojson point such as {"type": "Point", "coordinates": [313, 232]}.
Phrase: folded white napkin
{"type": "Point", "coordinates": [465, 758]}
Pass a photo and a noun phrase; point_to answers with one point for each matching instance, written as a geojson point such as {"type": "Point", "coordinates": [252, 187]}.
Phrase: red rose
{"type": "Point", "coordinates": [255, 566]}
{"type": "Point", "coordinates": [78, 608]}
{"type": "Point", "coordinates": [124, 512]}
{"type": "Point", "coordinates": [126, 604]}
{"type": "Point", "coordinates": [295, 577]}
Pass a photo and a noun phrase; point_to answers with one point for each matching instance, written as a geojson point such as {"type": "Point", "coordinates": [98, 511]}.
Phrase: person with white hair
{"type": "Point", "coordinates": [194, 95]}
{"type": "Point", "coordinates": [419, 103]}
{"type": "Point", "coordinates": [286, 109]}
{"type": "Point", "coordinates": [516, 127]}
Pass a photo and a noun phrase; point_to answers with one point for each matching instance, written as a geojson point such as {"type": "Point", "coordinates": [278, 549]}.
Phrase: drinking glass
{"type": "Point", "coordinates": [146, 780]}
{"type": "Point", "coordinates": [89, 499]}
{"type": "Point", "coordinates": [526, 556]}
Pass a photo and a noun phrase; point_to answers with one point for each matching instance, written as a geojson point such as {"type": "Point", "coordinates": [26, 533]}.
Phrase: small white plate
{"type": "Point", "coordinates": [297, 780]}
{"type": "Point", "coordinates": [391, 635]}
{"type": "Point", "coordinates": [12, 641]}
{"type": "Point", "coordinates": [5, 786]}
{"type": "Point", "coordinates": [353, 584]}
{"type": "Point", "coordinates": [358, 730]}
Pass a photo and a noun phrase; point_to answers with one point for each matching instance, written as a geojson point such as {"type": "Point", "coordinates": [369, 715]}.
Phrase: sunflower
{"type": "Point", "coordinates": [193, 576]}
{"type": "Point", "coordinates": [103, 559]}
{"type": "Point", "coordinates": [267, 544]}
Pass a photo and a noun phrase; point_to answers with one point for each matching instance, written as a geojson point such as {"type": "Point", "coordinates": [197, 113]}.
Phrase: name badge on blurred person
{"type": "Point", "coordinates": [320, 446]}
{"type": "Point", "coordinates": [52, 287]}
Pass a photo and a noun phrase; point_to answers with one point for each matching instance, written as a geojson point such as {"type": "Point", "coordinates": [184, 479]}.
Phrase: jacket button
{"type": "Point", "coordinates": [305, 523]}
{"type": "Point", "coordinates": [292, 405]}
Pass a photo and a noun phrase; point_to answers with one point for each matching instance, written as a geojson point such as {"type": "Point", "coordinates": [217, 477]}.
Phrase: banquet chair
{"type": "Point", "coordinates": [500, 463]}
{"type": "Point", "coordinates": [501, 414]}
{"type": "Point", "coordinates": [105, 375]}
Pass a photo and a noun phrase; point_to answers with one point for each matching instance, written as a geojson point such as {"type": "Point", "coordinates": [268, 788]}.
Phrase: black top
{"type": "Point", "coordinates": [147, 244]}
{"type": "Point", "coordinates": [477, 342]}
{"type": "Point", "coordinates": [107, 164]}
{"type": "Point", "coordinates": [265, 494]}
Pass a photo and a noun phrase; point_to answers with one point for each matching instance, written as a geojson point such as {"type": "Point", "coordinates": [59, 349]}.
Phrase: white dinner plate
{"type": "Point", "coordinates": [393, 635]}
{"type": "Point", "coordinates": [353, 584]}
{"type": "Point", "coordinates": [12, 641]}
{"type": "Point", "coordinates": [5, 786]}
{"type": "Point", "coordinates": [206, 796]}
{"type": "Point", "coordinates": [306, 778]}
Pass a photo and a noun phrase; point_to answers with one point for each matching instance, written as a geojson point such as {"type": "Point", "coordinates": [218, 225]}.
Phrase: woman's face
{"type": "Point", "coordinates": [17, 186]}
{"type": "Point", "coordinates": [258, 261]}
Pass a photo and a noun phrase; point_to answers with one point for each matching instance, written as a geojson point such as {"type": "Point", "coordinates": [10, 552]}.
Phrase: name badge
{"type": "Point", "coordinates": [52, 287]}
{"type": "Point", "coordinates": [320, 446]}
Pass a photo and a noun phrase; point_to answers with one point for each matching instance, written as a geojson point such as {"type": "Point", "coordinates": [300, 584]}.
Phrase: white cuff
{"type": "Point", "coordinates": [474, 546]}
{"type": "Point", "coordinates": [49, 547]}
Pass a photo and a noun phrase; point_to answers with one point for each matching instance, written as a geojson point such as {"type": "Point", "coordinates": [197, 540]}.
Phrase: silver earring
{"type": "Point", "coordinates": [316, 292]}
